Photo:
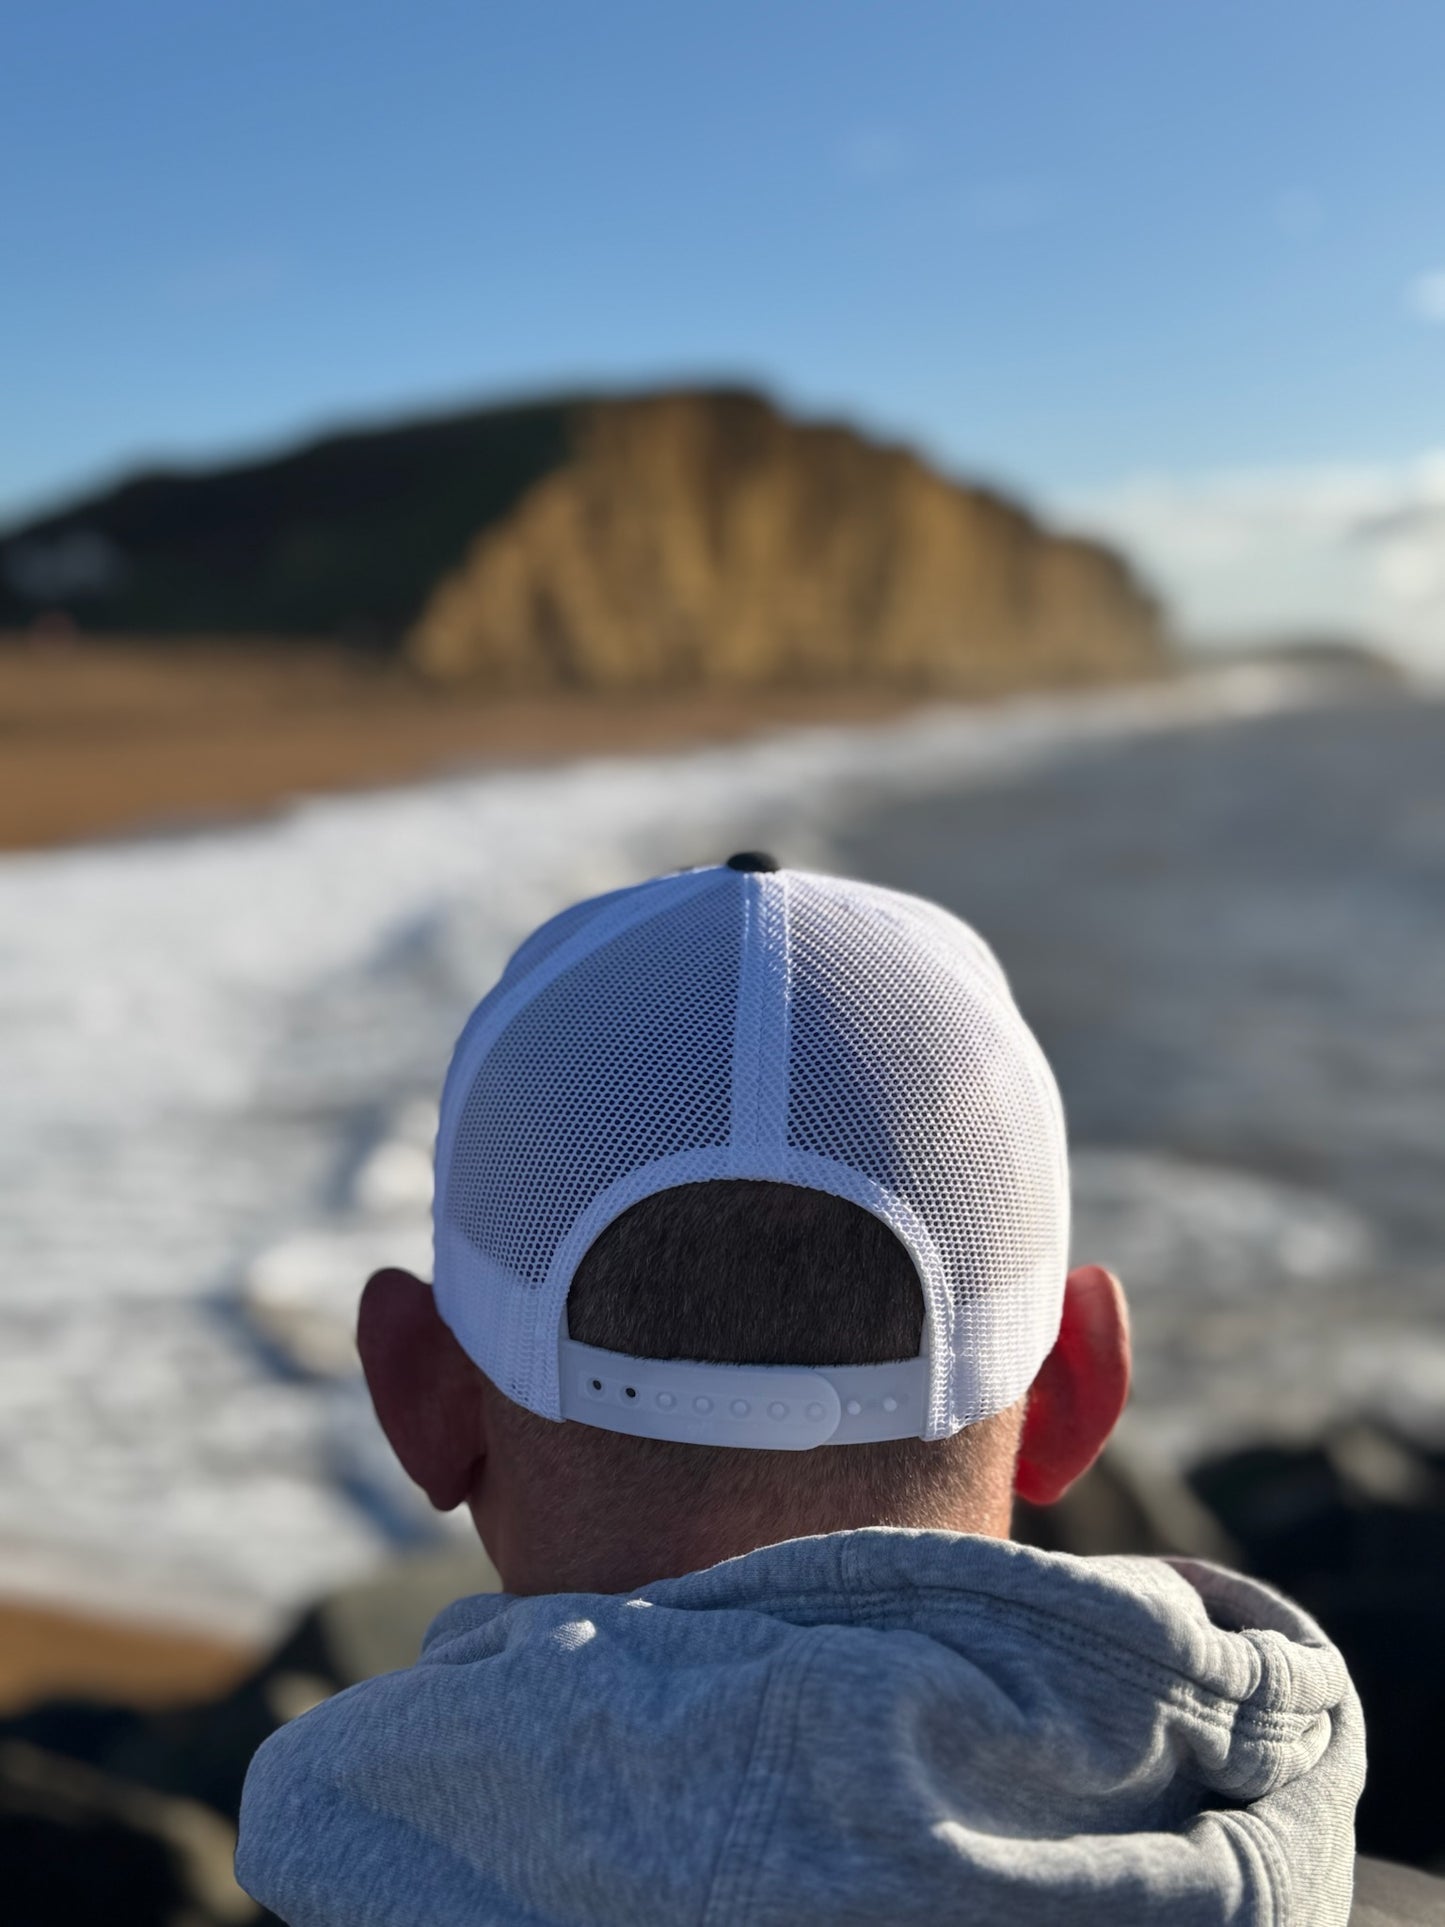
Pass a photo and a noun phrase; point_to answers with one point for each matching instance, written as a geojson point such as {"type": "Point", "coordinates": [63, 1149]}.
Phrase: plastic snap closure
{"type": "Point", "coordinates": [702, 1405]}
{"type": "Point", "coordinates": [777, 1409]}
{"type": "Point", "coordinates": [666, 1401]}
{"type": "Point", "coordinates": [815, 1411]}
{"type": "Point", "coordinates": [739, 1408]}
{"type": "Point", "coordinates": [853, 1408]}
{"type": "Point", "coordinates": [890, 1404]}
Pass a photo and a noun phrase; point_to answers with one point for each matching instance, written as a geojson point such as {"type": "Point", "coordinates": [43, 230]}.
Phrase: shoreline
{"type": "Point", "coordinates": [56, 1651]}
{"type": "Point", "coordinates": [103, 742]}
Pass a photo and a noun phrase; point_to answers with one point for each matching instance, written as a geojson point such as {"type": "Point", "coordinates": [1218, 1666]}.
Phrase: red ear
{"type": "Point", "coordinates": [1075, 1401]}
{"type": "Point", "coordinates": [426, 1391]}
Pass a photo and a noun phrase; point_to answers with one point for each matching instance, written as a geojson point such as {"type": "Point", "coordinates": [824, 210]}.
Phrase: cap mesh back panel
{"type": "Point", "coordinates": [536, 948]}
{"type": "Point", "coordinates": [920, 919]}
{"type": "Point", "coordinates": [909, 1083]}
{"type": "Point", "coordinates": [624, 1059]}
{"type": "Point", "coordinates": [909, 1062]}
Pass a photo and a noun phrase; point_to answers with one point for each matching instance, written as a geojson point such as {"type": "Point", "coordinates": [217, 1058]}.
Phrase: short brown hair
{"type": "Point", "coordinates": [744, 1272]}
{"type": "Point", "coordinates": [739, 1272]}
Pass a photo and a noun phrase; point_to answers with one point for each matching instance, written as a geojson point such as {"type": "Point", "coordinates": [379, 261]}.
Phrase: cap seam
{"type": "Point", "coordinates": [758, 1115]}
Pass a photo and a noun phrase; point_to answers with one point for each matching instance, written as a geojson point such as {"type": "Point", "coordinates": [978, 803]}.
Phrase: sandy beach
{"type": "Point", "coordinates": [107, 739]}
{"type": "Point", "coordinates": [50, 1652]}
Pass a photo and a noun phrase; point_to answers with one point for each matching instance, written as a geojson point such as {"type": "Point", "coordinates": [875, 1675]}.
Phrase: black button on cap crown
{"type": "Point", "coordinates": [753, 860]}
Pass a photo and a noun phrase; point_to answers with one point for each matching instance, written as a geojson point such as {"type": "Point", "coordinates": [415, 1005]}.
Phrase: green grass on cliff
{"type": "Point", "coordinates": [343, 539]}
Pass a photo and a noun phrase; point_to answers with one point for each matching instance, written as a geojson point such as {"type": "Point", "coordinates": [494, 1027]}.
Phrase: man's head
{"type": "Point", "coordinates": [791, 1131]}
{"type": "Point", "coordinates": [731, 1272]}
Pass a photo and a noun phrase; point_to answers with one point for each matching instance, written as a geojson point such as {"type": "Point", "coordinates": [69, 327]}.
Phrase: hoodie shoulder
{"type": "Point", "coordinates": [869, 1726]}
{"type": "Point", "coordinates": [552, 1760]}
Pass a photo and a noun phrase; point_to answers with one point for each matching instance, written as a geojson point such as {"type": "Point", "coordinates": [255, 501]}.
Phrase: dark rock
{"type": "Point", "coordinates": [202, 1752]}
{"type": "Point", "coordinates": [80, 1847]}
{"type": "Point", "coordinates": [1354, 1529]}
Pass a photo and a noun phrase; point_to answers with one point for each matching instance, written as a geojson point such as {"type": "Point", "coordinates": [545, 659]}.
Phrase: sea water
{"type": "Point", "coordinates": [1221, 901]}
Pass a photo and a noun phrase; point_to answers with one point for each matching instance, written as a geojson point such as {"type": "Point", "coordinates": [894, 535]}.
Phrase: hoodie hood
{"type": "Point", "coordinates": [875, 1726]}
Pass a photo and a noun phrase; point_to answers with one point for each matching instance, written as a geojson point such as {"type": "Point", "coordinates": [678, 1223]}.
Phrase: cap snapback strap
{"type": "Point", "coordinates": [779, 1408]}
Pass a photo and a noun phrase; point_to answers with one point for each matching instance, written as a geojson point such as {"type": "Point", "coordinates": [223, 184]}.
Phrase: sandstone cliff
{"type": "Point", "coordinates": [693, 539]}
{"type": "Point", "coordinates": [705, 539]}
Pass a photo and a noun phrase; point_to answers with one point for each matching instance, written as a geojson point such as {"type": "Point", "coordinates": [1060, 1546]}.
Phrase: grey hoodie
{"type": "Point", "coordinates": [878, 1726]}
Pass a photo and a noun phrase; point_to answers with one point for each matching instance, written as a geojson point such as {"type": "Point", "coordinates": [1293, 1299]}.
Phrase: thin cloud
{"type": "Point", "coordinates": [1427, 296]}
{"type": "Point", "coordinates": [1350, 549]}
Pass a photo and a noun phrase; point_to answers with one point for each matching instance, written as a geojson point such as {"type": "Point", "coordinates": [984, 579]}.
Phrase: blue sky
{"type": "Point", "coordinates": [1169, 269]}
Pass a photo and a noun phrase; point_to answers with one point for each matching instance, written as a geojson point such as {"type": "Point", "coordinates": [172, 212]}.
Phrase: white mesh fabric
{"type": "Point", "coordinates": [776, 1025]}
{"type": "Point", "coordinates": [618, 1063]}
{"type": "Point", "coordinates": [909, 1063]}
{"type": "Point", "coordinates": [535, 949]}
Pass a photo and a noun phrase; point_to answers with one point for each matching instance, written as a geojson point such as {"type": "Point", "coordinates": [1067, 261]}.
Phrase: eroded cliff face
{"type": "Point", "coordinates": [705, 539]}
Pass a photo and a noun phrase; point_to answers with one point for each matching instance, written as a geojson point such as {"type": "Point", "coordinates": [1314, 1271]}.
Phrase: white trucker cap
{"type": "Point", "coordinates": [748, 1021]}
